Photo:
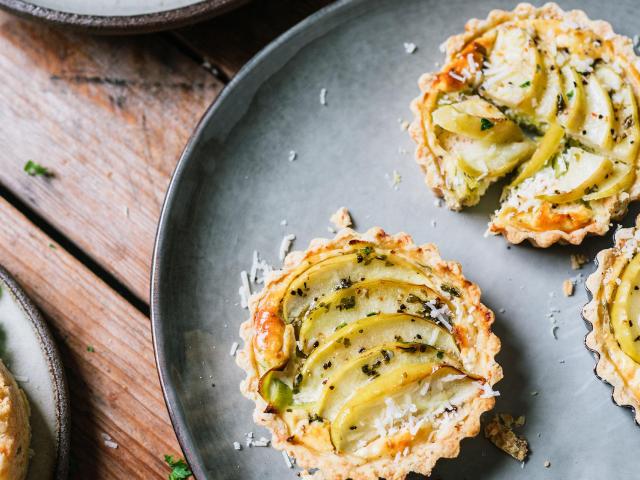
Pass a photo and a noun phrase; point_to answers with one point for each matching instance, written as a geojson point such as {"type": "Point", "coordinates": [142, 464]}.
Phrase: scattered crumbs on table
{"type": "Point", "coordinates": [234, 349]}
{"type": "Point", "coordinates": [259, 266]}
{"type": "Point", "coordinates": [502, 310]}
{"type": "Point", "coordinates": [554, 334]}
{"type": "Point", "coordinates": [323, 96]}
{"type": "Point", "coordinates": [34, 169]}
{"type": "Point", "coordinates": [285, 246]}
{"type": "Point", "coordinates": [552, 294]}
{"type": "Point", "coordinates": [237, 446]}
{"type": "Point", "coordinates": [578, 260]}
{"type": "Point", "coordinates": [402, 151]}
{"type": "Point", "coordinates": [437, 202]}
{"type": "Point", "coordinates": [108, 441]}
{"type": "Point", "coordinates": [499, 431]}
{"type": "Point", "coordinates": [522, 465]}
{"type": "Point", "coordinates": [292, 155]}
{"type": "Point", "coordinates": [90, 348]}
{"type": "Point", "coordinates": [341, 218]}
{"type": "Point", "coordinates": [331, 229]}
{"type": "Point", "coordinates": [636, 43]}
{"type": "Point", "coordinates": [534, 393]}
{"type": "Point", "coordinates": [404, 125]}
{"type": "Point", "coordinates": [287, 459]}
{"type": "Point", "coordinates": [562, 361]}
{"type": "Point", "coordinates": [283, 223]}
{"type": "Point", "coordinates": [245, 290]}
{"type": "Point", "coordinates": [568, 287]}
{"type": "Point", "coordinates": [547, 464]}
{"type": "Point", "coordinates": [394, 181]}
{"type": "Point", "coordinates": [410, 47]}
{"type": "Point", "coordinates": [262, 442]}
{"type": "Point", "coordinates": [434, 223]}
{"type": "Point", "coordinates": [248, 439]}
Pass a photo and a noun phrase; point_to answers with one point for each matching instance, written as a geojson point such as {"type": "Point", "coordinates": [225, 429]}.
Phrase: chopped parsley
{"type": "Point", "coordinates": [450, 289]}
{"type": "Point", "coordinates": [35, 169]}
{"type": "Point", "coordinates": [440, 355]}
{"type": "Point", "coordinates": [346, 303]}
{"type": "Point", "coordinates": [371, 314]}
{"type": "Point", "coordinates": [570, 95]}
{"type": "Point", "coordinates": [344, 283]}
{"type": "Point", "coordinates": [342, 325]}
{"type": "Point", "coordinates": [90, 348]}
{"type": "Point", "coordinates": [525, 84]}
{"type": "Point", "coordinates": [179, 469]}
{"type": "Point", "coordinates": [485, 124]}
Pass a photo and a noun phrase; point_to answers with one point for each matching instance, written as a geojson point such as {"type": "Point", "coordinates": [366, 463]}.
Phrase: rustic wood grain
{"type": "Point", "coordinates": [110, 117]}
{"type": "Point", "coordinates": [115, 389]}
{"type": "Point", "coordinates": [228, 42]}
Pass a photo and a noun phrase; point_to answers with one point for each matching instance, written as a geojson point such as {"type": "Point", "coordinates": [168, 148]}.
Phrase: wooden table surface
{"type": "Point", "coordinates": [109, 117]}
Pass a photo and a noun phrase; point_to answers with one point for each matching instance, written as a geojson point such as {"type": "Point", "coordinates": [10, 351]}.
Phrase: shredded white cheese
{"type": "Point", "coordinates": [285, 246]}
{"type": "Point", "coordinates": [237, 446]}
{"type": "Point", "coordinates": [292, 155]}
{"type": "Point", "coordinates": [410, 47]}
{"type": "Point", "coordinates": [234, 349]}
{"type": "Point", "coordinates": [287, 460]}
{"type": "Point", "coordinates": [323, 96]}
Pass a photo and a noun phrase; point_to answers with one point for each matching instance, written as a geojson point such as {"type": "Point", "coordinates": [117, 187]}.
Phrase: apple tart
{"type": "Point", "coordinates": [545, 96]}
{"type": "Point", "coordinates": [368, 356]}
{"type": "Point", "coordinates": [614, 314]}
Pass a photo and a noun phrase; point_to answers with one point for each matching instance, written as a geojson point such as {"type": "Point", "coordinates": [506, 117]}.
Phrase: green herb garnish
{"type": "Point", "coordinates": [450, 289]}
{"type": "Point", "coordinates": [179, 469]}
{"type": "Point", "coordinates": [485, 124]}
{"type": "Point", "coordinates": [525, 84]}
{"type": "Point", "coordinates": [346, 303]}
{"type": "Point", "coordinates": [34, 169]}
{"type": "Point", "coordinates": [90, 348]}
{"type": "Point", "coordinates": [570, 95]}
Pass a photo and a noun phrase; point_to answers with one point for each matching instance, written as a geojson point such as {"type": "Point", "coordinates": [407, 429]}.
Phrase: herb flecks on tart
{"type": "Point", "coordinates": [614, 314]}
{"type": "Point", "coordinates": [368, 356]}
{"type": "Point", "coordinates": [548, 97]}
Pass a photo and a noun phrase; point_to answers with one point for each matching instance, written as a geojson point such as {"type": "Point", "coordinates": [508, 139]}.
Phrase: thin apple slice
{"type": "Point", "coordinates": [346, 381]}
{"type": "Point", "coordinates": [572, 103]}
{"type": "Point", "coordinates": [625, 310]}
{"type": "Point", "coordinates": [345, 344]}
{"type": "Point", "coordinates": [275, 391]}
{"type": "Point", "coordinates": [596, 130]}
{"type": "Point", "coordinates": [408, 397]}
{"type": "Point", "coordinates": [547, 148]}
{"type": "Point", "coordinates": [547, 107]}
{"type": "Point", "coordinates": [369, 298]}
{"type": "Point", "coordinates": [584, 170]}
{"type": "Point", "coordinates": [479, 159]}
{"type": "Point", "coordinates": [334, 273]}
{"type": "Point", "coordinates": [478, 119]}
{"type": "Point", "coordinates": [516, 76]}
{"type": "Point", "coordinates": [626, 126]}
{"type": "Point", "coordinates": [619, 179]}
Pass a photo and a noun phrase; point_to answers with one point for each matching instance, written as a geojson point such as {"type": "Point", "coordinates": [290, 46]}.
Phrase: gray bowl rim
{"type": "Point", "coordinates": [56, 370]}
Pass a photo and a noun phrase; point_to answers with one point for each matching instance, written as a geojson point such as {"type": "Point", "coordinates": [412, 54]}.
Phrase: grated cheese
{"type": "Point", "coordinates": [287, 460]}
{"type": "Point", "coordinates": [285, 246]}
{"type": "Point", "coordinates": [323, 96]}
{"type": "Point", "coordinates": [234, 349]}
{"type": "Point", "coordinates": [237, 446]}
{"type": "Point", "coordinates": [410, 47]}
{"type": "Point", "coordinates": [292, 155]}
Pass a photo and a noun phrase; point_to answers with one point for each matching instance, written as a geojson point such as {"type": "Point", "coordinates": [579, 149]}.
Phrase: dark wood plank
{"type": "Point", "coordinates": [228, 42]}
{"type": "Point", "coordinates": [115, 389]}
{"type": "Point", "coordinates": [110, 117]}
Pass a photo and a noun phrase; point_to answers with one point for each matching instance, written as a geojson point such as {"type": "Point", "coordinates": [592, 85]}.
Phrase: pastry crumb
{"type": "Point", "coordinates": [499, 431]}
{"type": "Point", "coordinates": [568, 287]}
{"type": "Point", "coordinates": [410, 47]}
{"type": "Point", "coordinates": [341, 218]}
{"type": "Point", "coordinates": [577, 260]}
{"type": "Point", "coordinates": [547, 464]}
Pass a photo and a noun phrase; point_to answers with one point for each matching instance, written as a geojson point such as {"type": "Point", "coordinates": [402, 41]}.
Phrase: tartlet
{"type": "Point", "coordinates": [547, 96]}
{"type": "Point", "coordinates": [369, 357]}
{"type": "Point", "coordinates": [15, 430]}
{"type": "Point", "coordinates": [614, 315]}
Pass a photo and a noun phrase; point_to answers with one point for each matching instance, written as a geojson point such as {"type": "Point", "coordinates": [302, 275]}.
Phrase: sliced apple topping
{"type": "Point", "coordinates": [314, 284]}
{"type": "Point", "coordinates": [583, 171]}
{"type": "Point", "coordinates": [346, 381]}
{"type": "Point", "coordinates": [479, 159]}
{"type": "Point", "coordinates": [411, 397]}
{"type": "Point", "coordinates": [572, 101]}
{"type": "Point", "coordinates": [617, 180]}
{"type": "Point", "coordinates": [625, 311]}
{"type": "Point", "coordinates": [547, 105]}
{"type": "Point", "coordinates": [515, 75]}
{"type": "Point", "coordinates": [478, 119]}
{"type": "Point", "coordinates": [597, 129]}
{"type": "Point", "coordinates": [363, 299]}
{"type": "Point", "coordinates": [359, 336]}
{"type": "Point", "coordinates": [547, 147]}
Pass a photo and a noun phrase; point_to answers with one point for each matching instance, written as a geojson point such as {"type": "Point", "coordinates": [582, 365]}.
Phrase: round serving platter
{"type": "Point", "coordinates": [120, 16]}
{"type": "Point", "coordinates": [29, 352]}
{"type": "Point", "coordinates": [235, 184]}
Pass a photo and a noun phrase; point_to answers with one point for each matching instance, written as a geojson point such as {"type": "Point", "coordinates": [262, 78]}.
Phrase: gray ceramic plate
{"type": "Point", "coordinates": [120, 16]}
{"type": "Point", "coordinates": [28, 350]}
{"type": "Point", "coordinates": [234, 185]}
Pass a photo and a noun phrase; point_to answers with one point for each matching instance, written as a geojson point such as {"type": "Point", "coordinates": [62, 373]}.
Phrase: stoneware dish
{"type": "Point", "coordinates": [120, 16]}
{"type": "Point", "coordinates": [235, 184]}
{"type": "Point", "coordinates": [28, 350]}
